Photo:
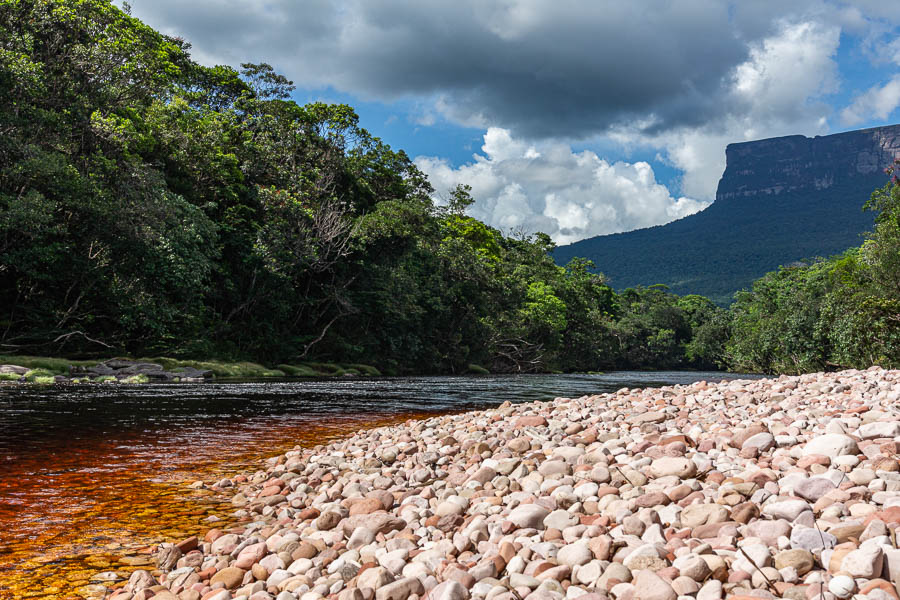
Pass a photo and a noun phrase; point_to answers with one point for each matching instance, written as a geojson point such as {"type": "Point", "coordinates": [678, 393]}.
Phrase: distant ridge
{"type": "Point", "coordinates": [780, 200]}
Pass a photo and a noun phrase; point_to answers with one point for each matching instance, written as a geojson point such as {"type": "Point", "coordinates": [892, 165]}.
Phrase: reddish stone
{"type": "Point", "coordinates": [531, 421]}
{"type": "Point", "coordinates": [188, 544]}
{"type": "Point", "coordinates": [677, 438]}
{"type": "Point", "coordinates": [308, 513]}
{"type": "Point", "coordinates": [761, 478]}
{"type": "Point", "coordinates": [606, 490]}
{"type": "Point", "coordinates": [813, 459]}
{"type": "Point", "coordinates": [590, 519]}
{"type": "Point", "coordinates": [712, 530]}
{"type": "Point", "coordinates": [551, 534]}
{"type": "Point", "coordinates": [738, 576]}
{"type": "Point", "coordinates": [706, 445]}
{"type": "Point", "coordinates": [366, 506]}
{"type": "Point", "coordinates": [698, 495]}
{"type": "Point", "coordinates": [669, 574]}
{"type": "Point", "coordinates": [888, 447]}
{"type": "Point", "coordinates": [715, 477]}
{"type": "Point", "coordinates": [212, 535]}
{"type": "Point", "coordinates": [889, 515]}
{"type": "Point", "coordinates": [882, 585]}
{"type": "Point", "coordinates": [541, 567]}
{"type": "Point", "coordinates": [745, 512]}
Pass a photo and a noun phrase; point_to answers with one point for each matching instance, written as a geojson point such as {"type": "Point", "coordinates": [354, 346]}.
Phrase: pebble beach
{"type": "Point", "coordinates": [770, 488]}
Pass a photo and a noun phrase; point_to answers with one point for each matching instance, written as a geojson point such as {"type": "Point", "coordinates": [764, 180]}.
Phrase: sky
{"type": "Point", "coordinates": [575, 118]}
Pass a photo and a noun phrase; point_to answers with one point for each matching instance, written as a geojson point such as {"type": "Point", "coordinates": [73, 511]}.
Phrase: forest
{"type": "Point", "coordinates": [150, 205]}
{"type": "Point", "coordinates": [153, 206]}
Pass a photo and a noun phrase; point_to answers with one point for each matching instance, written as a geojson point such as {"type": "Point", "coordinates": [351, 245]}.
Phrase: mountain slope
{"type": "Point", "coordinates": [780, 200]}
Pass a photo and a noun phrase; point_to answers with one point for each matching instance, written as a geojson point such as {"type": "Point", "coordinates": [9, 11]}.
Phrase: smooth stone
{"type": "Point", "coordinates": [448, 590]}
{"type": "Point", "coordinates": [711, 590]}
{"type": "Point", "coordinates": [864, 562]}
{"type": "Point", "coordinates": [616, 571]}
{"type": "Point", "coordinates": [814, 488]}
{"type": "Point", "coordinates": [786, 509]}
{"type": "Point", "coordinates": [650, 586]}
{"type": "Point", "coordinates": [691, 565]}
{"type": "Point", "coordinates": [806, 538]}
{"type": "Point", "coordinates": [831, 445]}
{"type": "Point", "coordinates": [696, 515]}
{"type": "Point", "coordinates": [801, 560]}
{"type": "Point", "coordinates": [842, 586]}
{"type": "Point", "coordinates": [761, 442]}
{"type": "Point", "coordinates": [677, 466]}
{"type": "Point", "coordinates": [560, 519]}
{"type": "Point", "coordinates": [574, 554]}
{"type": "Point", "coordinates": [879, 429]}
{"type": "Point", "coordinates": [400, 589]}
{"type": "Point", "coordinates": [230, 577]}
{"type": "Point", "coordinates": [528, 516]}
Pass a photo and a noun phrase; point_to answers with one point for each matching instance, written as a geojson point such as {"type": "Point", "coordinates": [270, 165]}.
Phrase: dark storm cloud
{"type": "Point", "coordinates": [541, 69]}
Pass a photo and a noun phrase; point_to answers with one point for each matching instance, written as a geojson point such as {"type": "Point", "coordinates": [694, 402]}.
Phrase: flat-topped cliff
{"type": "Point", "coordinates": [796, 162]}
{"type": "Point", "coordinates": [780, 200]}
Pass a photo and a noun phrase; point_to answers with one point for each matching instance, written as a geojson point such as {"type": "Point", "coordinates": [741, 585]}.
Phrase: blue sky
{"type": "Point", "coordinates": [577, 118]}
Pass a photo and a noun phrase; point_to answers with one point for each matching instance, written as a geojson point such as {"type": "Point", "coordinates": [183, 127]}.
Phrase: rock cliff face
{"type": "Point", "coordinates": [795, 162]}
{"type": "Point", "coordinates": [780, 200]}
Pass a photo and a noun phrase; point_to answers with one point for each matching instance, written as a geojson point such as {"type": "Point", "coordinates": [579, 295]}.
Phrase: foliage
{"type": "Point", "coordinates": [836, 313]}
{"type": "Point", "coordinates": [733, 242]}
{"type": "Point", "coordinates": [152, 206]}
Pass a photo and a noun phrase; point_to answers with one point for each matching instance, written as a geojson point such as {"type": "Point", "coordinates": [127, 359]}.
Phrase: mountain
{"type": "Point", "coordinates": [780, 200]}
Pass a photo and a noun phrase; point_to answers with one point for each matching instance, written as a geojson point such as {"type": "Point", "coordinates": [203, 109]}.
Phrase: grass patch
{"type": "Point", "coordinates": [34, 374]}
{"type": "Point", "coordinates": [299, 371]}
{"type": "Point", "coordinates": [325, 368]}
{"type": "Point", "coordinates": [478, 370]}
{"type": "Point", "coordinates": [139, 378]}
{"type": "Point", "coordinates": [56, 366]}
{"type": "Point", "coordinates": [9, 377]}
{"type": "Point", "coordinates": [60, 366]}
{"type": "Point", "coordinates": [103, 379]}
{"type": "Point", "coordinates": [367, 370]}
{"type": "Point", "coordinates": [218, 367]}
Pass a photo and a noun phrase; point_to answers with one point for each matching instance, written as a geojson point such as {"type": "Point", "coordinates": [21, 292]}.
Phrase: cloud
{"type": "Point", "coordinates": [562, 69]}
{"type": "Point", "coordinates": [683, 79]}
{"type": "Point", "coordinates": [877, 102]}
{"type": "Point", "coordinates": [776, 91]}
{"type": "Point", "coordinates": [548, 187]}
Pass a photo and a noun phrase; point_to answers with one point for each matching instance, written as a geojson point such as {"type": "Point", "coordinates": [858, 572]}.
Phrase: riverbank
{"type": "Point", "coordinates": [47, 370]}
{"type": "Point", "coordinates": [765, 488]}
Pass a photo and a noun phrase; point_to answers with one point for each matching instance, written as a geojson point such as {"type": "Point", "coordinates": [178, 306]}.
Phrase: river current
{"type": "Point", "coordinates": [92, 477]}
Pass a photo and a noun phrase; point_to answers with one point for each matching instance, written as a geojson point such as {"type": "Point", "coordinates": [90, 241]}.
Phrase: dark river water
{"type": "Point", "coordinates": [93, 474]}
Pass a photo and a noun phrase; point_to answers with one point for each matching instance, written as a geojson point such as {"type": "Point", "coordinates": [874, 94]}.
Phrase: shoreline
{"type": "Point", "coordinates": [48, 370]}
{"type": "Point", "coordinates": [765, 488]}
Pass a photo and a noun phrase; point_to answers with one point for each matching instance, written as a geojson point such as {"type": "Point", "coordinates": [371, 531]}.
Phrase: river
{"type": "Point", "coordinates": [93, 474]}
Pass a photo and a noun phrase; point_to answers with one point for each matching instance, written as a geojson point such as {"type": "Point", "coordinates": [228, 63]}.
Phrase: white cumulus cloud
{"type": "Point", "coordinates": [777, 91]}
{"type": "Point", "coordinates": [877, 102]}
{"type": "Point", "coordinates": [548, 187]}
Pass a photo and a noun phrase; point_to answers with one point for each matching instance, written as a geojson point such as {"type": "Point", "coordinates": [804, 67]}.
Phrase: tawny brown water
{"type": "Point", "coordinates": [108, 500]}
{"type": "Point", "coordinates": [91, 476]}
